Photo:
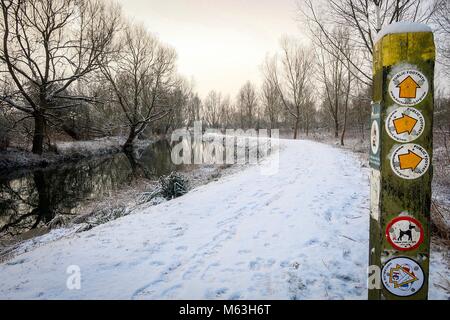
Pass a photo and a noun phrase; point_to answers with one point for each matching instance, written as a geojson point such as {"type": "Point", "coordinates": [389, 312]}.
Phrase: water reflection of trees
{"type": "Point", "coordinates": [34, 200]}
{"type": "Point", "coordinates": [151, 162]}
{"type": "Point", "coordinates": [157, 160]}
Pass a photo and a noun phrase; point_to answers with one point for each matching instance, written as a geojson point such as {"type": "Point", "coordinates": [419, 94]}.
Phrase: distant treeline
{"type": "Point", "coordinates": [77, 69]}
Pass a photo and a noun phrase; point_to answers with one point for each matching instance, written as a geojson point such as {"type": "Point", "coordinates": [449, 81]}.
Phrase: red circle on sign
{"type": "Point", "coordinates": [405, 218]}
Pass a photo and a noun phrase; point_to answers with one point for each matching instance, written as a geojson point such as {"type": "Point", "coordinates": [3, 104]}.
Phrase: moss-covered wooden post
{"type": "Point", "coordinates": [400, 159]}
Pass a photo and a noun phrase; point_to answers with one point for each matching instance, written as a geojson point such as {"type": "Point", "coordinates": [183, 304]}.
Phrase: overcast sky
{"type": "Point", "coordinates": [220, 43]}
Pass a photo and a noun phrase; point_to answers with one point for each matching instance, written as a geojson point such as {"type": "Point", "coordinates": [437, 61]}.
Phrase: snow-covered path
{"type": "Point", "coordinates": [299, 234]}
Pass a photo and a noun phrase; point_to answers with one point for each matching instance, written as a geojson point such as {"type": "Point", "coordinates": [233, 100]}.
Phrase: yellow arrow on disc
{"type": "Point", "coordinates": [404, 124]}
{"type": "Point", "coordinates": [408, 88]}
{"type": "Point", "coordinates": [409, 160]}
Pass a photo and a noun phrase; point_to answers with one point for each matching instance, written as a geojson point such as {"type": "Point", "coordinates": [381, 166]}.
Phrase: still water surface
{"type": "Point", "coordinates": [31, 199]}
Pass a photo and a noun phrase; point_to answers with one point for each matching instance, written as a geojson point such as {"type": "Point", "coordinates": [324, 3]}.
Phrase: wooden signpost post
{"type": "Point", "coordinates": [400, 159]}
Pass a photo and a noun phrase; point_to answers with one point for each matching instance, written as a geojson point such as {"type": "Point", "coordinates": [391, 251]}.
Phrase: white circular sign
{"type": "Point", "coordinates": [402, 276]}
{"type": "Point", "coordinates": [374, 137]}
{"type": "Point", "coordinates": [404, 233]}
{"type": "Point", "coordinates": [410, 161]}
{"type": "Point", "coordinates": [405, 124]}
{"type": "Point", "coordinates": [408, 87]}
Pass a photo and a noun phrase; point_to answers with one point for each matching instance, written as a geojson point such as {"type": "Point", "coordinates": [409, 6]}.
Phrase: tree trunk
{"type": "Point", "coordinates": [71, 132]}
{"type": "Point", "coordinates": [336, 128]}
{"type": "Point", "coordinates": [136, 169]}
{"type": "Point", "coordinates": [343, 128]}
{"type": "Point", "coordinates": [346, 109]}
{"type": "Point", "coordinates": [296, 128]}
{"type": "Point", "coordinates": [271, 128]}
{"type": "Point", "coordinates": [131, 136]}
{"type": "Point", "coordinates": [307, 127]}
{"type": "Point", "coordinates": [345, 120]}
{"type": "Point", "coordinates": [39, 132]}
{"type": "Point", "coordinates": [45, 212]}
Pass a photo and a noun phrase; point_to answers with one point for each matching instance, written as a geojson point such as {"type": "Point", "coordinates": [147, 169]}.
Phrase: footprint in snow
{"type": "Point", "coordinates": [254, 265]}
{"type": "Point", "coordinates": [189, 274]}
{"type": "Point", "coordinates": [221, 291]}
{"type": "Point", "coordinates": [284, 264]}
{"type": "Point", "coordinates": [259, 233]}
{"type": "Point", "coordinates": [235, 296]}
{"type": "Point", "coordinates": [172, 267]}
{"type": "Point", "coordinates": [16, 262]}
{"type": "Point", "coordinates": [172, 291]}
{"type": "Point", "coordinates": [311, 242]}
{"type": "Point", "coordinates": [346, 254]}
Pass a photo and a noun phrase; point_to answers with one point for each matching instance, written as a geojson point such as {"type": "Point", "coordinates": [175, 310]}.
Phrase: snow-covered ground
{"type": "Point", "coordinates": [299, 234]}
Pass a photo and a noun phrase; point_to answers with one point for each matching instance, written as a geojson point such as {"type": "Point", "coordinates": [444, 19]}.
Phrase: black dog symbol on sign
{"type": "Point", "coordinates": [406, 232]}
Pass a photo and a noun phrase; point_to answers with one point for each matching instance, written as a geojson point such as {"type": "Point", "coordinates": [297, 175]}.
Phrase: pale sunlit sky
{"type": "Point", "coordinates": [220, 43]}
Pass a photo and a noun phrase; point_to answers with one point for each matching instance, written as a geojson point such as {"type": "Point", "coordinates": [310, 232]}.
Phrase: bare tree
{"type": "Point", "coordinates": [270, 96]}
{"type": "Point", "coordinates": [226, 112]}
{"type": "Point", "coordinates": [141, 75]}
{"type": "Point", "coordinates": [360, 111]}
{"type": "Point", "coordinates": [292, 79]}
{"type": "Point", "coordinates": [309, 110]}
{"type": "Point", "coordinates": [336, 78]}
{"type": "Point", "coordinates": [193, 108]}
{"type": "Point", "coordinates": [178, 100]}
{"type": "Point", "coordinates": [247, 101]}
{"type": "Point", "coordinates": [362, 19]}
{"type": "Point", "coordinates": [211, 108]}
{"type": "Point", "coordinates": [47, 47]}
{"type": "Point", "coordinates": [271, 101]}
{"type": "Point", "coordinates": [442, 21]}
{"type": "Point", "coordinates": [347, 88]}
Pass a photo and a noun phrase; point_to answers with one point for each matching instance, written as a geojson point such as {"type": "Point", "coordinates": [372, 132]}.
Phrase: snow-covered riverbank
{"type": "Point", "coordinates": [72, 151]}
{"type": "Point", "coordinates": [301, 233]}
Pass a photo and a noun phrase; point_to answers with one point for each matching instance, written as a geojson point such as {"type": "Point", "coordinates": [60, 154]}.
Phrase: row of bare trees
{"type": "Point", "coordinates": [74, 65]}
{"type": "Point", "coordinates": [48, 49]}
{"type": "Point", "coordinates": [141, 75]}
{"type": "Point", "coordinates": [327, 85]}
{"type": "Point", "coordinates": [361, 21]}
{"type": "Point", "coordinates": [77, 67]}
{"type": "Point", "coordinates": [303, 89]}
{"type": "Point", "coordinates": [288, 79]}
{"type": "Point", "coordinates": [343, 33]}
